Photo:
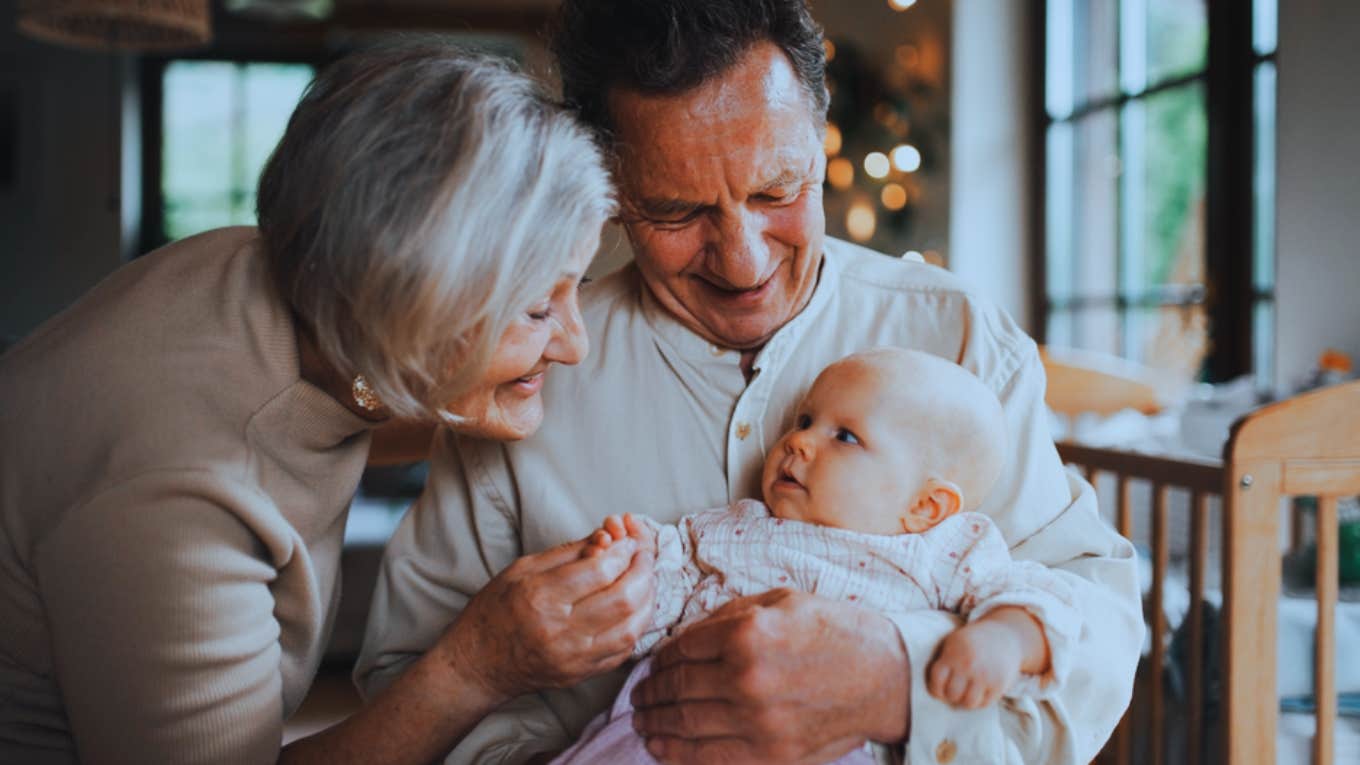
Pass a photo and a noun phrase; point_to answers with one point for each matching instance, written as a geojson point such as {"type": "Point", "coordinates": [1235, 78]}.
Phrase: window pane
{"type": "Point", "coordinates": [221, 121]}
{"type": "Point", "coordinates": [196, 148]}
{"type": "Point", "coordinates": [1164, 143]}
{"type": "Point", "coordinates": [1263, 244]}
{"type": "Point", "coordinates": [1095, 329]}
{"type": "Point", "coordinates": [271, 91]}
{"type": "Point", "coordinates": [1263, 344]}
{"type": "Point", "coordinates": [1264, 26]}
{"type": "Point", "coordinates": [1082, 207]}
{"type": "Point", "coordinates": [1082, 53]}
{"type": "Point", "coordinates": [1172, 340]}
{"type": "Point", "coordinates": [1160, 40]}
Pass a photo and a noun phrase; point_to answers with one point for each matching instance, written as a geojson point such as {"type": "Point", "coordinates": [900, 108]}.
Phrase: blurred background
{"type": "Point", "coordinates": [1170, 181]}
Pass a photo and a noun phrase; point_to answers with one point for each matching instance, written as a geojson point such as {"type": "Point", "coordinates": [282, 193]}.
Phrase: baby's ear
{"type": "Point", "coordinates": [937, 501]}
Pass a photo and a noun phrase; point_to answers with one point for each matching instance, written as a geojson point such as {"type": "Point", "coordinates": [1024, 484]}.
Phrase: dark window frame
{"type": "Point", "coordinates": [1229, 293]}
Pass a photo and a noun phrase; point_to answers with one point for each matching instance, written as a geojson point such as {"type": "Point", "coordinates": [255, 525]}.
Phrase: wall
{"type": "Point", "coordinates": [993, 125]}
{"type": "Point", "coordinates": [60, 212]}
{"type": "Point", "coordinates": [1318, 166]}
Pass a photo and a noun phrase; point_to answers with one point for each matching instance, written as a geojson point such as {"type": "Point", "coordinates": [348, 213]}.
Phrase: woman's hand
{"type": "Point", "coordinates": [553, 619]}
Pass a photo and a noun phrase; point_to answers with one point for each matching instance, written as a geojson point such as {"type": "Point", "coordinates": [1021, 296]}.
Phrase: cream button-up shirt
{"type": "Point", "coordinates": [658, 421]}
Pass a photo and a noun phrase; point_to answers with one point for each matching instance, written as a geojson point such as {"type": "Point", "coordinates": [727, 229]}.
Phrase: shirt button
{"type": "Point", "coordinates": [944, 753]}
{"type": "Point", "coordinates": [743, 430]}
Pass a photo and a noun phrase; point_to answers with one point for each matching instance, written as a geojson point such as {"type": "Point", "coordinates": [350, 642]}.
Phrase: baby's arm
{"type": "Point", "coordinates": [979, 661]}
{"type": "Point", "coordinates": [1021, 621]}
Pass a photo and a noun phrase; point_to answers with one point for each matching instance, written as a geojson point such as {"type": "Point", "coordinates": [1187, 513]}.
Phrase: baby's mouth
{"type": "Point", "coordinates": [786, 476]}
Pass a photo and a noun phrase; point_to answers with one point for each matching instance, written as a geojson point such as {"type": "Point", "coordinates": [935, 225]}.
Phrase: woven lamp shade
{"type": "Point", "coordinates": [118, 24]}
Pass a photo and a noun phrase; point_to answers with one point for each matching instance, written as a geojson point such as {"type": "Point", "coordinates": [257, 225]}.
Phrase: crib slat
{"type": "Point", "coordinates": [1324, 665]}
{"type": "Point", "coordinates": [1199, 560]}
{"type": "Point", "coordinates": [1161, 554]}
{"type": "Point", "coordinates": [1123, 513]}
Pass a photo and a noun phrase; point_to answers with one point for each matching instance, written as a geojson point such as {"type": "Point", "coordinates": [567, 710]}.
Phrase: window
{"type": "Point", "coordinates": [1159, 182]}
{"type": "Point", "coordinates": [218, 122]}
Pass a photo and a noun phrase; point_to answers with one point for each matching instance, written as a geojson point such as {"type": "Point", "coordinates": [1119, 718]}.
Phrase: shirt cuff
{"type": "Point", "coordinates": [940, 733]}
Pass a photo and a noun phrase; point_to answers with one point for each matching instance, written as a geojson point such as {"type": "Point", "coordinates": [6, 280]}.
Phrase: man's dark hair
{"type": "Point", "coordinates": [667, 47]}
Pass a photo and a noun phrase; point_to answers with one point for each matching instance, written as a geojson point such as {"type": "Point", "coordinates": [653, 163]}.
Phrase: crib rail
{"type": "Point", "coordinates": [1202, 480]}
{"type": "Point", "coordinates": [1308, 445]}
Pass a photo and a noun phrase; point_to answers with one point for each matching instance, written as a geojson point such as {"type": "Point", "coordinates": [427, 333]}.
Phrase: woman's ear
{"type": "Point", "coordinates": [937, 501]}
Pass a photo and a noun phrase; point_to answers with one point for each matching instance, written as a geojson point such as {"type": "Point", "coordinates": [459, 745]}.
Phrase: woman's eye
{"type": "Point", "coordinates": [846, 436]}
{"type": "Point", "coordinates": [804, 421]}
{"type": "Point", "coordinates": [540, 312]}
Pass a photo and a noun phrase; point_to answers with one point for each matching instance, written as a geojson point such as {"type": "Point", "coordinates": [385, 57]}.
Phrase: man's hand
{"type": "Point", "coordinates": [780, 677]}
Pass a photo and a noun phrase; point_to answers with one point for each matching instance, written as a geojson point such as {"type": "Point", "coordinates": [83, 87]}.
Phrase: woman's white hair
{"type": "Point", "coordinates": [421, 198]}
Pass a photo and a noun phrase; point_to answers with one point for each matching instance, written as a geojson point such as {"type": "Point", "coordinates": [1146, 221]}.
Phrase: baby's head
{"type": "Point", "coordinates": [887, 441]}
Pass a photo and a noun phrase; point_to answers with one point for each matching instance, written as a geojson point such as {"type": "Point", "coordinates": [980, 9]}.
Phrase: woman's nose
{"type": "Point", "coordinates": [569, 343]}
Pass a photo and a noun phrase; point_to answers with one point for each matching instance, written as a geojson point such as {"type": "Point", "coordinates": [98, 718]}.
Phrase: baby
{"type": "Point", "coordinates": [865, 501]}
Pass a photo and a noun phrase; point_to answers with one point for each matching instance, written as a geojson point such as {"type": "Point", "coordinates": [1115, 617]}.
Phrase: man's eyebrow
{"type": "Point", "coordinates": [783, 179]}
{"type": "Point", "coordinates": [668, 207]}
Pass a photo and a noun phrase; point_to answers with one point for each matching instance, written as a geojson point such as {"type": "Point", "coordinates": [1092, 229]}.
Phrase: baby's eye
{"type": "Point", "coordinates": [804, 421]}
{"type": "Point", "coordinates": [846, 436]}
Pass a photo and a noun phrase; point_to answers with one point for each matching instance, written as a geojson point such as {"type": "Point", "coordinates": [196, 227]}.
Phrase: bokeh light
{"type": "Point", "coordinates": [832, 141]}
{"type": "Point", "coordinates": [906, 158]}
{"type": "Point", "coordinates": [876, 164]}
{"type": "Point", "coordinates": [894, 197]}
{"type": "Point", "coordinates": [861, 221]}
{"type": "Point", "coordinates": [841, 173]}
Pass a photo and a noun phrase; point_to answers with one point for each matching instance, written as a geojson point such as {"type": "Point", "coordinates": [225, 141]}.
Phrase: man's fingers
{"type": "Point", "coordinates": [687, 681]}
{"type": "Point", "coordinates": [706, 641]}
{"type": "Point", "coordinates": [717, 751]}
{"type": "Point", "coordinates": [692, 719]}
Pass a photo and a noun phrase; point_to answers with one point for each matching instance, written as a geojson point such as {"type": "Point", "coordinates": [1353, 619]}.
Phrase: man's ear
{"type": "Point", "coordinates": [937, 501]}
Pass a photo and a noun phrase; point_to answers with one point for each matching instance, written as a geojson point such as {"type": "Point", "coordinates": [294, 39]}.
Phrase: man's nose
{"type": "Point", "coordinates": [741, 255]}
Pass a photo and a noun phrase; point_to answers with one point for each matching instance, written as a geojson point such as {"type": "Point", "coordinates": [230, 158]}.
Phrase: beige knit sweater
{"type": "Point", "coordinates": [172, 503]}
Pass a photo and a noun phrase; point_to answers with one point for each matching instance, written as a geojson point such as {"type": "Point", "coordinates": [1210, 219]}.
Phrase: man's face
{"type": "Point", "coordinates": [722, 197]}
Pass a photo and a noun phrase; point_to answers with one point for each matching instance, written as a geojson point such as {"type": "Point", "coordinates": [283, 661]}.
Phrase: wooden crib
{"type": "Point", "coordinates": [1305, 446]}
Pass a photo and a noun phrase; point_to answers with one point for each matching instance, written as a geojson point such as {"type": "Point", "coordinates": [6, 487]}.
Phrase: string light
{"type": "Point", "coordinates": [832, 141]}
{"type": "Point", "coordinates": [901, 5]}
{"type": "Point", "coordinates": [841, 173]}
{"type": "Point", "coordinates": [894, 197]}
{"type": "Point", "coordinates": [906, 158]}
{"type": "Point", "coordinates": [830, 49]}
{"type": "Point", "coordinates": [876, 164]}
{"type": "Point", "coordinates": [860, 221]}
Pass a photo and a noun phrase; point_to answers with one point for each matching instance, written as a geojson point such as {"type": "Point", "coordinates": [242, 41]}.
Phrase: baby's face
{"type": "Point", "coordinates": [852, 459]}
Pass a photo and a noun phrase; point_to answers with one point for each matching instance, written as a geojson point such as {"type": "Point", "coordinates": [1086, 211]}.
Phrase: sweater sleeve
{"type": "Point", "coordinates": [164, 638]}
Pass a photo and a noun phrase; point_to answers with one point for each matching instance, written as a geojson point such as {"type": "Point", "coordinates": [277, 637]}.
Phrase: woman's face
{"type": "Point", "coordinates": [507, 404]}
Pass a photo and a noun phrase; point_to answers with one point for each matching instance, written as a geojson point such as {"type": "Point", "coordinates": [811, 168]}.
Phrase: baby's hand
{"type": "Point", "coordinates": [975, 665]}
{"type": "Point", "coordinates": [616, 528]}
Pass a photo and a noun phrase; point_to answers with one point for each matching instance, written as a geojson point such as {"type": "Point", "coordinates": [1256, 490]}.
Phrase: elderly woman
{"type": "Point", "coordinates": [178, 449]}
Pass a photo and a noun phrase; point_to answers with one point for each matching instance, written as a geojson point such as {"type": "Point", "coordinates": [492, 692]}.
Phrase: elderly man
{"type": "Point", "coordinates": [714, 114]}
